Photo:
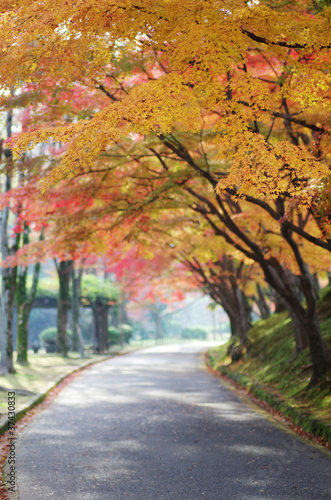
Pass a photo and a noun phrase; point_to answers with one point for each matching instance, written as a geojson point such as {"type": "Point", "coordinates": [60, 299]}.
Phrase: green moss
{"type": "Point", "coordinates": [271, 368]}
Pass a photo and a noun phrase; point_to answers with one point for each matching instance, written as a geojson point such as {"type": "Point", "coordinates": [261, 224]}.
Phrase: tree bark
{"type": "Point", "coordinates": [96, 330]}
{"type": "Point", "coordinates": [280, 305]}
{"type": "Point", "coordinates": [100, 324]}
{"type": "Point", "coordinates": [8, 274]}
{"type": "Point", "coordinates": [7, 311]}
{"type": "Point", "coordinates": [300, 335]}
{"type": "Point", "coordinates": [24, 303]}
{"type": "Point", "coordinates": [120, 322]}
{"type": "Point", "coordinates": [77, 339]}
{"type": "Point", "coordinates": [64, 271]}
{"type": "Point", "coordinates": [309, 317]}
{"type": "Point", "coordinates": [7, 301]}
{"type": "Point", "coordinates": [158, 324]}
{"type": "Point", "coordinates": [22, 318]}
{"type": "Point", "coordinates": [242, 315]}
{"type": "Point", "coordinates": [104, 327]}
{"type": "Point", "coordinates": [261, 303]}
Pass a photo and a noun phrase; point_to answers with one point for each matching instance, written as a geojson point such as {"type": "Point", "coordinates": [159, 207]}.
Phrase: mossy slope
{"type": "Point", "coordinates": [274, 374]}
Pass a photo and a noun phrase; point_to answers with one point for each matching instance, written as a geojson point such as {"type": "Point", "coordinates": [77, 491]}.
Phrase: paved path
{"type": "Point", "coordinates": [154, 425]}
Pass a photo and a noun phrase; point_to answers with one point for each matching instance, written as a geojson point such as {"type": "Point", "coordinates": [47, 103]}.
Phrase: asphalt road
{"type": "Point", "coordinates": [154, 425]}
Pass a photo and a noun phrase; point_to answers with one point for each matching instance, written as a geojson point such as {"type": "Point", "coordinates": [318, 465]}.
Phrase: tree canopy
{"type": "Point", "coordinates": [233, 63]}
{"type": "Point", "coordinates": [182, 131]}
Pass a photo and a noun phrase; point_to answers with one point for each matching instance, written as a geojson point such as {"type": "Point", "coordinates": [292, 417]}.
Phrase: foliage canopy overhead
{"type": "Point", "coordinates": [197, 45]}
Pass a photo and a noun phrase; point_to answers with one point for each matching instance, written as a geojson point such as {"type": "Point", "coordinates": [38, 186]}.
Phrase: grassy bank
{"type": "Point", "coordinates": [272, 374]}
{"type": "Point", "coordinates": [42, 372]}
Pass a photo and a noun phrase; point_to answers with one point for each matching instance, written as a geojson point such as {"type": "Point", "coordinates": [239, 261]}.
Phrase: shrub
{"type": "Point", "coordinates": [114, 334]}
{"type": "Point", "coordinates": [194, 333]}
{"type": "Point", "coordinates": [49, 334]}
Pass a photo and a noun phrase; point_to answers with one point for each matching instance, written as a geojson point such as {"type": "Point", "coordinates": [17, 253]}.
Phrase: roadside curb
{"type": "Point", "coordinates": [40, 397]}
{"type": "Point", "coordinates": [308, 423]}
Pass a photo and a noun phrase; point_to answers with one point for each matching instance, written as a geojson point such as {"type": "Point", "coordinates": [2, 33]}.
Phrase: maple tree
{"type": "Point", "coordinates": [127, 202]}
{"type": "Point", "coordinates": [273, 247]}
{"type": "Point", "coordinates": [234, 96]}
{"type": "Point", "coordinates": [198, 46]}
{"type": "Point", "coordinates": [73, 232]}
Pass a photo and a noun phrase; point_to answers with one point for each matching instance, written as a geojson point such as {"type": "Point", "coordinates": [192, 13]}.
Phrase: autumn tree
{"type": "Point", "coordinates": [197, 66]}
{"type": "Point", "coordinates": [247, 82]}
{"type": "Point", "coordinates": [255, 235]}
{"type": "Point", "coordinates": [233, 214]}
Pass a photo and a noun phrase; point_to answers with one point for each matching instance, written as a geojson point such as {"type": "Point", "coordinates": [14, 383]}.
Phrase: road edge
{"type": "Point", "coordinates": [293, 421]}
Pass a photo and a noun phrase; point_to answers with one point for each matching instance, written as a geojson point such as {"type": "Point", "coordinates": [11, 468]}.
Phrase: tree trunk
{"type": "Point", "coordinates": [158, 324]}
{"type": "Point", "coordinates": [77, 339]}
{"type": "Point", "coordinates": [242, 315]}
{"type": "Point", "coordinates": [24, 305]}
{"type": "Point", "coordinates": [306, 318]}
{"type": "Point", "coordinates": [300, 335]}
{"type": "Point", "coordinates": [309, 326]}
{"type": "Point", "coordinates": [8, 285]}
{"type": "Point", "coordinates": [104, 327]}
{"type": "Point", "coordinates": [280, 305]}
{"type": "Point", "coordinates": [261, 303]}
{"type": "Point", "coordinates": [22, 319]}
{"type": "Point", "coordinates": [100, 322]}
{"type": "Point", "coordinates": [233, 327]}
{"type": "Point", "coordinates": [231, 300]}
{"type": "Point", "coordinates": [114, 312]}
{"type": "Point", "coordinates": [318, 352]}
{"type": "Point", "coordinates": [7, 312]}
{"type": "Point", "coordinates": [316, 285]}
{"type": "Point", "coordinates": [286, 289]}
{"type": "Point", "coordinates": [63, 269]}
{"type": "Point", "coordinates": [8, 275]}
{"type": "Point", "coordinates": [96, 330]}
{"type": "Point", "coordinates": [120, 321]}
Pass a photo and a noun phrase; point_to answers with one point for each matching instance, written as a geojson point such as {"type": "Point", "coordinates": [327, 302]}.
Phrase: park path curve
{"type": "Point", "coordinates": [155, 425]}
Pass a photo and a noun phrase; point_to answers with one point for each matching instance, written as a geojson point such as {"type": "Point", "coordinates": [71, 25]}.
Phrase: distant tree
{"type": "Point", "coordinates": [100, 294]}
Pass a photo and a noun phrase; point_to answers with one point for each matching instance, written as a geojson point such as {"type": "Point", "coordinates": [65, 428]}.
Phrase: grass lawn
{"type": "Point", "coordinates": [270, 362]}
{"type": "Point", "coordinates": [39, 376]}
